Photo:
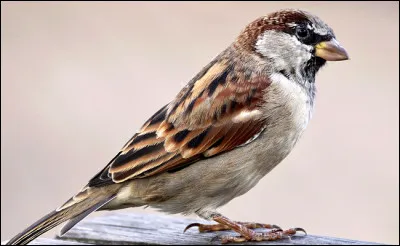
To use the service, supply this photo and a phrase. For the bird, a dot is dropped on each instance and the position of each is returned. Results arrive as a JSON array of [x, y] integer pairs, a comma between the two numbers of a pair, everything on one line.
[[232, 123]]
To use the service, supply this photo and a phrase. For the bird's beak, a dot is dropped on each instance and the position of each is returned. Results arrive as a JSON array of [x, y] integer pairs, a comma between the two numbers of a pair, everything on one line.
[[331, 51]]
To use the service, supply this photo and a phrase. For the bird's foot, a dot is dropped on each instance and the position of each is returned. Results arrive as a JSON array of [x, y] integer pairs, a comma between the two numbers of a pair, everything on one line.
[[222, 227], [245, 230], [272, 235]]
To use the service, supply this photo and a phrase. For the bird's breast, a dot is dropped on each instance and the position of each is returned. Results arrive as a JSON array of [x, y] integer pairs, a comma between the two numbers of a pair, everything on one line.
[[287, 103], [287, 109]]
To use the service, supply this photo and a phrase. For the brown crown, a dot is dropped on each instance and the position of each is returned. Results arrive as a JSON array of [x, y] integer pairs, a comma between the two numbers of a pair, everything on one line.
[[275, 21]]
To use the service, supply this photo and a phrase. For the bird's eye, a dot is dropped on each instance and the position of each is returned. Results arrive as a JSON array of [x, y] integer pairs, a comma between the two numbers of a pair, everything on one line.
[[302, 32]]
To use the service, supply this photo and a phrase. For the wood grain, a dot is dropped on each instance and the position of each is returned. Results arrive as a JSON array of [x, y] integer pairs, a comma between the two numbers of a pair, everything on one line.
[[117, 228]]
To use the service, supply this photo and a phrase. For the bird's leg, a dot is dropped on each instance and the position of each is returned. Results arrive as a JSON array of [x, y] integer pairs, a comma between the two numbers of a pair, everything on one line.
[[243, 228]]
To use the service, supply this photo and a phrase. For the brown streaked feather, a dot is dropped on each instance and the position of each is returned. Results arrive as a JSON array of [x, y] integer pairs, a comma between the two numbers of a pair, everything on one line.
[[174, 142], [137, 156], [214, 134], [139, 169], [205, 119], [143, 140]]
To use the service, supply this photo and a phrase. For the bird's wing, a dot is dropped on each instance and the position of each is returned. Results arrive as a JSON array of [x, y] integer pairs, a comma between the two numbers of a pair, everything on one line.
[[217, 111]]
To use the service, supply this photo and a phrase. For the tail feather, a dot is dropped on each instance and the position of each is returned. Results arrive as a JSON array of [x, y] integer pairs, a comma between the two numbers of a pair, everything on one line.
[[74, 213], [46, 223], [72, 222]]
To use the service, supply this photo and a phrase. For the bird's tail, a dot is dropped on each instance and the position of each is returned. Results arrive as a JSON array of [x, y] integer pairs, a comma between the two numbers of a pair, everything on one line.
[[73, 210]]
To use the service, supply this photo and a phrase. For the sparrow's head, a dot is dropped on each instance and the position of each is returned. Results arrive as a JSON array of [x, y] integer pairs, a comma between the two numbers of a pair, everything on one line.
[[293, 42]]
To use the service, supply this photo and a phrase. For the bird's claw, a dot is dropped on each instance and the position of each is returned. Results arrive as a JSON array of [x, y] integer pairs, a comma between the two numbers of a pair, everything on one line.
[[191, 225]]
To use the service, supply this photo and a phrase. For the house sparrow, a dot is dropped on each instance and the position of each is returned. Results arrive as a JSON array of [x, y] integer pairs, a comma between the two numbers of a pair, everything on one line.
[[227, 128]]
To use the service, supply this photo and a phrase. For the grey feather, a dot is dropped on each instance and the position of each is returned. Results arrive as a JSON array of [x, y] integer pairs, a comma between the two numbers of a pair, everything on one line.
[[72, 222]]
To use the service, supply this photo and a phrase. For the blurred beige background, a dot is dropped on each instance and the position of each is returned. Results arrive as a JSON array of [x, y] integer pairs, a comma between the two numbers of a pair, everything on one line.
[[78, 79]]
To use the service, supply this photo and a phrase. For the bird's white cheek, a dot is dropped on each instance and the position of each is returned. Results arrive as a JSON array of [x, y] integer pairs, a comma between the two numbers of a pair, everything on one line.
[[285, 52]]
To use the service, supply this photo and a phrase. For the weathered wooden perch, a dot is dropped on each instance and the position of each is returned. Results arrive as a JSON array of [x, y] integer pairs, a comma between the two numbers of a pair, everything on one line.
[[130, 228]]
